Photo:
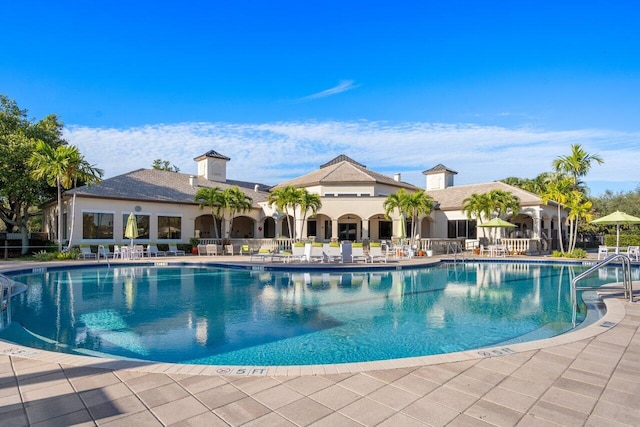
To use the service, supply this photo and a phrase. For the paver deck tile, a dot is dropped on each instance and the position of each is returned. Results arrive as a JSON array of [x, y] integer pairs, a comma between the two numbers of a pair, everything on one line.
[[208, 419], [335, 397], [179, 410], [430, 412], [304, 411], [367, 411], [493, 413], [452, 398], [163, 394], [272, 419], [558, 414], [510, 399], [114, 409], [220, 396], [277, 397], [338, 420], [241, 411], [415, 384]]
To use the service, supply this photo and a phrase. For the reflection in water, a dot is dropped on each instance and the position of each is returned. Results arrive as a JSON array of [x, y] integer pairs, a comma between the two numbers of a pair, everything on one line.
[[217, 316]]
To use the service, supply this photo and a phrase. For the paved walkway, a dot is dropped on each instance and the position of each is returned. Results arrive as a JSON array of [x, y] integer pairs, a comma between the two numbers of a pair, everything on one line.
[[591, 381]]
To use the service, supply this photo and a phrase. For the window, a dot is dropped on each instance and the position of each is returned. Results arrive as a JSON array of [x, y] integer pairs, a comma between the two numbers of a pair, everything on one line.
[[312, 228], [385, 229], [169, 227], [327, 229], [143, 222], [97, 225], [347, 232], [462, 228]]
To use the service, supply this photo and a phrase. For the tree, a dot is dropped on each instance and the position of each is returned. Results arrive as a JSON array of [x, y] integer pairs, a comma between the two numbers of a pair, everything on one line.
[[285, 198], [19, 190], [164, 165], [418, 204], [577, 164], [308, 201], [79, 170], [580, 208], [51, 164], [557, 190], [477, 206], [236, 201], [214, 198]]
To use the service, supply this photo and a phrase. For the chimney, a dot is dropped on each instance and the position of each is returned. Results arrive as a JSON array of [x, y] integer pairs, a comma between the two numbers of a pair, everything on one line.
[[397, 177], [255, 188], [192, 180]]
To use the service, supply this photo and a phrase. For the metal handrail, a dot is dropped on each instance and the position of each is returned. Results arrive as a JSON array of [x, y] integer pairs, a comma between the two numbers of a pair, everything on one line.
[[627, 283], [454, 248], [5, 308], [104, 254]]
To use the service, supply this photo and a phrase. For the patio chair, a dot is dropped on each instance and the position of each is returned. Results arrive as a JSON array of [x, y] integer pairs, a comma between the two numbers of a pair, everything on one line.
[[202, 249], [105, 252], [152, 250], [484, 250], [85, 252], [297, 252], [376, 253], [332, 252], [212, 249], [173, 249], [603, 252], [138, 251], [317, 253], [245, 250], [262, 254], [633, 252], [357, 253]]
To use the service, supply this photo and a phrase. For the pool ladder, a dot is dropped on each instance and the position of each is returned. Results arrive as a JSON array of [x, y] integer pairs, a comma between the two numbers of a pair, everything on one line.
[[626, 286], [6, 285], [103, 251], [456, 248]]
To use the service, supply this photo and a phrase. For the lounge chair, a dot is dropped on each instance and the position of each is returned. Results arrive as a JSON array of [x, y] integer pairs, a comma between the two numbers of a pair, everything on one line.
[[152, 250], [245, 250], [202, 249], [332, 252], [603, 252], [85, 252], [633, 252], [262, 254], [138, 252], [173, 249], [297, 252], [317, 254], [228, 249], [376, 253], [357, 252], [213, 249], [105, 252]]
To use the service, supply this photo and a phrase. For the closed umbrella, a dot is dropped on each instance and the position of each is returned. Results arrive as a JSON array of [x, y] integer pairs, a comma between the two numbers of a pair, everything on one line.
[[617, 218], [131, 231]]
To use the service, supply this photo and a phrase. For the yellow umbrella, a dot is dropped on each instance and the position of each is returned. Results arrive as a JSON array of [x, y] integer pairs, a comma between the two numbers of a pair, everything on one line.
[[131, 231], [617, 218]]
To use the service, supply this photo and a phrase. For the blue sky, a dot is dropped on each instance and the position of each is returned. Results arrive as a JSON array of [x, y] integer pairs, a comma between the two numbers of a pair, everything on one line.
[[490, 89]]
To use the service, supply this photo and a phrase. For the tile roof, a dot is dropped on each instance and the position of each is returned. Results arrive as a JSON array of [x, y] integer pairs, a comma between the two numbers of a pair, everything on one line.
[[344, 172], [212, 153], [438, 168], [163, 186], [452, 198], [342, 158]]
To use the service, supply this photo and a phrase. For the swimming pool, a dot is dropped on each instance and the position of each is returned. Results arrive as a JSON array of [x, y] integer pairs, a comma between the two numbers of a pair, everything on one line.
[[211, 315]]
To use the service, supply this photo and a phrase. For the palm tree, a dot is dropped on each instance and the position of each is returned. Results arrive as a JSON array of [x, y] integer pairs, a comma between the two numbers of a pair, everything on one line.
[[308, 201], [579, 209], [78, 169], [418, 204], [557, 190], [236, 201], [477, 206], [51, 164], [286, 198], [577, 164], [396, 201], [212, 197]]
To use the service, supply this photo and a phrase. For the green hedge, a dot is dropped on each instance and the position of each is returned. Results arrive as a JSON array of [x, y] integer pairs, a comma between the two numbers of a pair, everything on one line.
[[625, 240]]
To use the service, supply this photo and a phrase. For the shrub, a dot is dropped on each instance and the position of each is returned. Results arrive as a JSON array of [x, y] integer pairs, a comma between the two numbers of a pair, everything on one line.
[[578, 253], [556, 254]]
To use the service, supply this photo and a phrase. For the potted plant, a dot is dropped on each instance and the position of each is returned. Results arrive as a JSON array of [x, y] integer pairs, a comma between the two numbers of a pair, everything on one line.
[[194, 245]]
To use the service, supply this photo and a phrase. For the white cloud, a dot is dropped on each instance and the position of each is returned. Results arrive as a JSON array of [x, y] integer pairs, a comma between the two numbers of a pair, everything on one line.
[[274, 152], [343, 86]]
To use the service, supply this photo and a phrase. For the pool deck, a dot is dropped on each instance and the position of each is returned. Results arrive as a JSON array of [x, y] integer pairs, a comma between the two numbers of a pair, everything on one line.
[[587, 377]]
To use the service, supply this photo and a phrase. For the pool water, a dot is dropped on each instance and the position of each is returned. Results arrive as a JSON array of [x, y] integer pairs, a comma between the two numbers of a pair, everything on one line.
[[217, 316]]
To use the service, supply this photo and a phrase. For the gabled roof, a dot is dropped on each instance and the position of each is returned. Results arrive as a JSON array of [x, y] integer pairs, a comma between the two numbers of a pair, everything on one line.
[[213, 154], [452, 198], [163, 186], [344, 172], [342, 158], [438, 169]]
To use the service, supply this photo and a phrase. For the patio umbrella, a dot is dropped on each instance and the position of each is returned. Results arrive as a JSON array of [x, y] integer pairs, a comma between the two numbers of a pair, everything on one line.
[[402, 230], [617, 218], [131, 231], [497, 223]]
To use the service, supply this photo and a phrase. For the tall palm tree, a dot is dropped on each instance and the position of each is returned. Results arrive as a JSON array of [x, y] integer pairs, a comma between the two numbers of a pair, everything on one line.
[[79, 170], [396, 202], [285, 198], [577, 164], [418, 204], [51, 164], [236, 202], [580, 208], [558, 189], [308, 201], [213, 198]]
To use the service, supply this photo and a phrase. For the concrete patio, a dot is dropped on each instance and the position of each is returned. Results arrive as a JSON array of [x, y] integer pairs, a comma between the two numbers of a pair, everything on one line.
[[581, 378]]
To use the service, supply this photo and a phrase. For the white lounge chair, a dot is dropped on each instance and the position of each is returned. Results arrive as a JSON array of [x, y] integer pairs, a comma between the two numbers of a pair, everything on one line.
[[317, 253], [633, 252], [332, 252], [376, 253], [85, 252], [262, 254], [152, 250], [357, 253], [603, 252], [173, 249]]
